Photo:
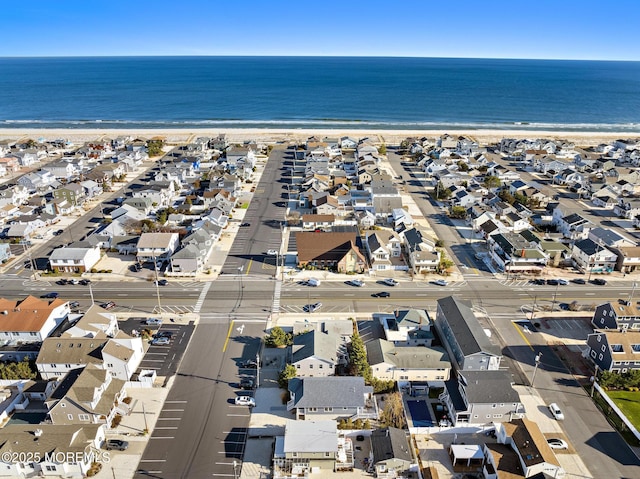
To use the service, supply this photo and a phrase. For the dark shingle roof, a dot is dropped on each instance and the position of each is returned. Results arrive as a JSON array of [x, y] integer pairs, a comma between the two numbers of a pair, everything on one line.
[[390, 443]]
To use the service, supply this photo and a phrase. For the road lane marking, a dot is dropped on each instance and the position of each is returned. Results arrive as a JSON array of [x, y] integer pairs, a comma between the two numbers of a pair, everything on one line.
[[153, 460], [522, 334], [226, 341]]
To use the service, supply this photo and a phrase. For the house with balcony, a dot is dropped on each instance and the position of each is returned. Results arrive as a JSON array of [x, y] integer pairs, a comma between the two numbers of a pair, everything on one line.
[[513, 253], [156, 247], [617, 351], [384, 248], [72, 192], [94, 397], [481, 397], [469, 347], [95, 320], [74, 259], [309, 448], [408, 363], [573, 226], [420, 251], [593, 257], [331, 398]]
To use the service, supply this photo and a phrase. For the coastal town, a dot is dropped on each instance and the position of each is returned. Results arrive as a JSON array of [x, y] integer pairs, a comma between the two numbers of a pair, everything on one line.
[[318, 306]]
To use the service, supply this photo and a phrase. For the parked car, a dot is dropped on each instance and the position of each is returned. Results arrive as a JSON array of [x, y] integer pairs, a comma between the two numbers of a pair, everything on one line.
[[51, 295], [555, 443], [249, 364], [356, 282], [135, 267], [272, 252], [61, 282], [381, 294], [538, 281], [117, 444], [311, 308], [562, 282], [247, 383], [160, 341], [58, 232], [163, 334], [555, 411], [153, 321], [161, 282], [313, 282], [599, 281], [85, 282], [440, 282], [108, 305], [552, 282], [74, 304], [245, 401], [578, 281], [390, 282], [245, 224]]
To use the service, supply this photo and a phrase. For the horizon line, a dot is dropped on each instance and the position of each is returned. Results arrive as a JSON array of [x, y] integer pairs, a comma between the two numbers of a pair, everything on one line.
[[314, 56]]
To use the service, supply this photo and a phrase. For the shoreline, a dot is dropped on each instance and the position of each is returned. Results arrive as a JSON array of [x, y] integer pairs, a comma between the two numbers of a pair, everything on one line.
[[269, 134]]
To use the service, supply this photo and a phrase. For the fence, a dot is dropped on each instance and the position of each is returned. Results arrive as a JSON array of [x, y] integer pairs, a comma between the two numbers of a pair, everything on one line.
[[619, 413]]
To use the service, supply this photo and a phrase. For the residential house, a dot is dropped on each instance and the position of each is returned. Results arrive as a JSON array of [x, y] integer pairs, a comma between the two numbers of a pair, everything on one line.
[[30, 320], [331, 398], [421, 251], [628, 207], [481, 397], [407, 327], [141, 203], [384, 249], [593, 257], [392, 453], [240, 156], [120, 355], [156, 247], [95, 320], [617, 351], [74, 259], [161, 193], [193, 254], [43, 440], [535, 456], [311, 447], [91, 188], [621, 315], [95, 397], [628, 259], [73, 193], [408, 363], [573, 226], [314, 353], [365, 219], [464, 338], [511, 252], [335, 250], [313, 222], [610, 238], [62, 169]]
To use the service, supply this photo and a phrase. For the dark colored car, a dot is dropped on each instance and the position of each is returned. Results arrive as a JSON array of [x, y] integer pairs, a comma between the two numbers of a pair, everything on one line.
[[578, 281], [553, 282], [599, 281], [62, 282], [245, 224], [58, 232], [74, 304], [381, 294], [51, 295], [247, 383], [162, 282], [249, 363], [163, 334], [85, 282], [109, 305]]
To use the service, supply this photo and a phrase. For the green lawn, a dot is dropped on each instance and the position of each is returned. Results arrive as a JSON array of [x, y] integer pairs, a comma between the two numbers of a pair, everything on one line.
[[629, 404]]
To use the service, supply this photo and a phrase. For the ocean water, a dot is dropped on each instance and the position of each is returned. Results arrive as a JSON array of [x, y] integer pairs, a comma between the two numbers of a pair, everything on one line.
[[303, 92]]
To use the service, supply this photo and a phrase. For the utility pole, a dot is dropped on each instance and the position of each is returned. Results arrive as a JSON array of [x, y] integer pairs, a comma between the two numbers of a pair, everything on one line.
[[535, 369], [533, 309], [553, 304], [258, 369], [155, 269]]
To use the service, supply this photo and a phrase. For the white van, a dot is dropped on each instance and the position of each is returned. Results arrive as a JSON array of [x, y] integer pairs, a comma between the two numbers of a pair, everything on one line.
[[313, 282]]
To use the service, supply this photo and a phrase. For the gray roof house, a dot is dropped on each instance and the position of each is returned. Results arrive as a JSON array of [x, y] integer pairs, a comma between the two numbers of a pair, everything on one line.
[[408, 327], [464, 338], [391, 450], [481, 397], [407, 363], [314, 354], [331, 397]]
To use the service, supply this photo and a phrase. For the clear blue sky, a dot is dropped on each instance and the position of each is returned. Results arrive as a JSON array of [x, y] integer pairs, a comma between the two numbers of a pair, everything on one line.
[[555, 29]]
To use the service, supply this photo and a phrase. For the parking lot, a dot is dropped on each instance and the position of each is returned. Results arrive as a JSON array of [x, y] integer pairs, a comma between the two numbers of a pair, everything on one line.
[[566, 328], [163, 359]]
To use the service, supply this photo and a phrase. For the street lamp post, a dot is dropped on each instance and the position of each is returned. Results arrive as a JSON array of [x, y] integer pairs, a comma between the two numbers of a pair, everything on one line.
[[258, 369], [535, 369], [594, 378], [553, 304], [235, 472], [533, 309]]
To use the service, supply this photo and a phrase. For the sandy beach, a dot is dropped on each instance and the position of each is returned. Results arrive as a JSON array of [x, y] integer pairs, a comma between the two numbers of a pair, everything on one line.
[[242, 134]]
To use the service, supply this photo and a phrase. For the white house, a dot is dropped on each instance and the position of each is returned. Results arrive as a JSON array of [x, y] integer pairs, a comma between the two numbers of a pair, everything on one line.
[[74, 260], [30, 320]]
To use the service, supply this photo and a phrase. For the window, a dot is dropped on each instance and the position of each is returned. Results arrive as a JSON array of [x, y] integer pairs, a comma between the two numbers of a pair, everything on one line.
[[70, 417], [496, 416], [67, 365], [327, 454], [310, 366], [635, 348], [50, 468], [600, 356], [593, 354], [83, 417], [320, 366], [328, 409], [617, 348], [63, 404]]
